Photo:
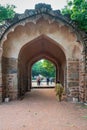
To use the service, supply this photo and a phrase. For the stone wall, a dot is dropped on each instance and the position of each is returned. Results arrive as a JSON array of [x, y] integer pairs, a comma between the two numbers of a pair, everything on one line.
[[86, 69], [86, 87], [0, 76], [82, 76], [9, 77], [82, 80], [73, 77]]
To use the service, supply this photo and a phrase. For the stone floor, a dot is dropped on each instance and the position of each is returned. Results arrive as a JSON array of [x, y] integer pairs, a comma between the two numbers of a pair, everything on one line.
[[40, 110]]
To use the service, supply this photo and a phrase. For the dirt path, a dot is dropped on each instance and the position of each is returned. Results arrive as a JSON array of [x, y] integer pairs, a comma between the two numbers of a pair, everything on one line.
[[40, 110]]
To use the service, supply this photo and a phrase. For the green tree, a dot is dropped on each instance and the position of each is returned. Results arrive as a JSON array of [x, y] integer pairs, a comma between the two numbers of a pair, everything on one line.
[[50, 68], [43, 67], [6, 12], [77, 11], [36, 68]]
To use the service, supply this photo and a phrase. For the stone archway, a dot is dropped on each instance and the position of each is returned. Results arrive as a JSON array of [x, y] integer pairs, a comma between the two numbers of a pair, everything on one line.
[[42, 33], [40, 47]]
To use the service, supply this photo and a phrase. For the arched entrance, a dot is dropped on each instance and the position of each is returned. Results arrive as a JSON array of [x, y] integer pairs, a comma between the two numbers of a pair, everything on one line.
[[37, 34], [43, 74], [40, 47]]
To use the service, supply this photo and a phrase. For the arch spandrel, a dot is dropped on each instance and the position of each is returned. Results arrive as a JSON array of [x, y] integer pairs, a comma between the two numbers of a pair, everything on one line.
[[27, 33]]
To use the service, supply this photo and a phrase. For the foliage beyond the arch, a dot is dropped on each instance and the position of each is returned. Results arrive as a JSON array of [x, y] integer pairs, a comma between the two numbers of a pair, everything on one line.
[[43, 67]]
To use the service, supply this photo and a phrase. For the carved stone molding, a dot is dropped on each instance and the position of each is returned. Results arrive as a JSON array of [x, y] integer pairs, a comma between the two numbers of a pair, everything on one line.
[[41, 10]]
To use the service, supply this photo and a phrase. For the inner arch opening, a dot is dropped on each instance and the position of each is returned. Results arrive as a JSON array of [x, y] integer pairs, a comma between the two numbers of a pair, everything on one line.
[[43, 74], [42, 47]]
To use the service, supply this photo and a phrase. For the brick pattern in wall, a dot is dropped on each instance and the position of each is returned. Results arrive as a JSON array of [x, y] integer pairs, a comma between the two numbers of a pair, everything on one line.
[[9, 74], [86, 70], [82, 76], [83, 80], [9, 65], [73, 77]]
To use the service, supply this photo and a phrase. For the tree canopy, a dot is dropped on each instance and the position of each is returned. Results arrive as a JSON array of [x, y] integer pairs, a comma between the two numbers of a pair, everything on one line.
[[43, 67], [77, 11], [6, 12]]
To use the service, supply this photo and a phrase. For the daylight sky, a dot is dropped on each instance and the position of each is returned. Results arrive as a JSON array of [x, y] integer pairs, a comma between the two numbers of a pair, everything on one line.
[[21, 5]]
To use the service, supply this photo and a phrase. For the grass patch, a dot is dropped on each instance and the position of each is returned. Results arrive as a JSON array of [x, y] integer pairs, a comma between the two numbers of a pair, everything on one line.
[[84, 106], [84, 117]]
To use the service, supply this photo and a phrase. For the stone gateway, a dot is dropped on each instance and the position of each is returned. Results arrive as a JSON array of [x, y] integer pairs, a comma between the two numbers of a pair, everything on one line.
[[36, 34]]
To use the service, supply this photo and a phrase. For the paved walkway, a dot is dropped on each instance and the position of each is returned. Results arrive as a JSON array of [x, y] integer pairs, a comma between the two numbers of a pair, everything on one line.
[[40, 110]]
